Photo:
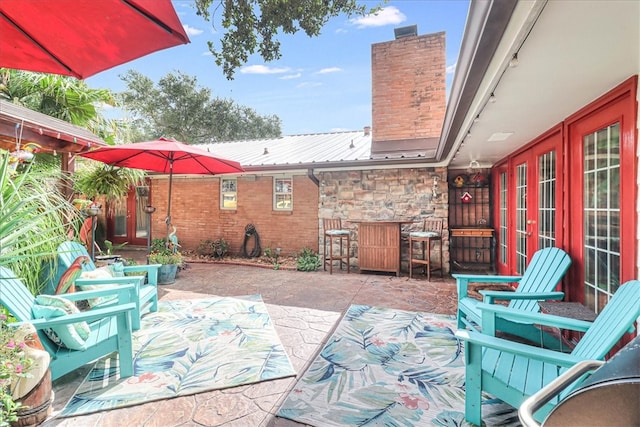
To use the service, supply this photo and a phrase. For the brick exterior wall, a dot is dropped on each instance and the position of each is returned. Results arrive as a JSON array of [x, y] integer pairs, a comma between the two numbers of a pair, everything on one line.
[[385, 194], [408, 87], [196, 213]]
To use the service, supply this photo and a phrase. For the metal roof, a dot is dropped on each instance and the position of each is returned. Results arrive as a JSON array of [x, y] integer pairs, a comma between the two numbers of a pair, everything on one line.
[[335, 149]]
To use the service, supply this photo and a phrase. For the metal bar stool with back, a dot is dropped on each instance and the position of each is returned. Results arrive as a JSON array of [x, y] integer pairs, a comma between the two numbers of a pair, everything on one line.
[[333, 230], [431, 232]]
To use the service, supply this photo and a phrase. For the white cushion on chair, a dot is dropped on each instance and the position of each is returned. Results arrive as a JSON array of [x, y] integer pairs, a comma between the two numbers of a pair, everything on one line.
[[337, 232], [424, 234]]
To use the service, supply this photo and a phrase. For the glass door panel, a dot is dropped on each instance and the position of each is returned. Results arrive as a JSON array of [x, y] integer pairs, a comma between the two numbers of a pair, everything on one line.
[[547, 200], [601, 215], [521, 218]]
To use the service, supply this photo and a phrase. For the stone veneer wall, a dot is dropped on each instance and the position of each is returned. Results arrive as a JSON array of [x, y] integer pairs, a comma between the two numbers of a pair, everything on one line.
[[385, 194]]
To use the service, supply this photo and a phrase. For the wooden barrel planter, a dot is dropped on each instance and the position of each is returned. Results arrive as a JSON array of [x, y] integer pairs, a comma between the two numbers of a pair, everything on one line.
[[38, 404]]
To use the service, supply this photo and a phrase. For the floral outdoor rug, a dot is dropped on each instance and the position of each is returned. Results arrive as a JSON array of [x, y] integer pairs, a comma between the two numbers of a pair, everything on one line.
[[189, 347], [385, 367]]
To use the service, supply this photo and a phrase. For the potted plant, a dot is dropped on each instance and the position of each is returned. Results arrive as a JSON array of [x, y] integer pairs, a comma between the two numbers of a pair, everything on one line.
[[16, 365], [163, 253]]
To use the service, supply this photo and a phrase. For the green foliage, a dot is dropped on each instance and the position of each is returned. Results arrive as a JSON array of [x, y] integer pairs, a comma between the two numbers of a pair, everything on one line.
[[62, 97], [213, 248], [308, 260], [163, 253], [34, 220], [178, 108], [111, 248], [111, 182], [254, 25], [165, 258], [272, 256]]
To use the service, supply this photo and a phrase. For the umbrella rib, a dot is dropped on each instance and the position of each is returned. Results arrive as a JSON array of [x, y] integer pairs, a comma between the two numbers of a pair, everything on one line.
[[155, 20], [37, 43]]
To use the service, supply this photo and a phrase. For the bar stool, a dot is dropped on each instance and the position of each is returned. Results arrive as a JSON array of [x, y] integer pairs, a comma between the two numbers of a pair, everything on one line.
[[333, 230], [432, 232]]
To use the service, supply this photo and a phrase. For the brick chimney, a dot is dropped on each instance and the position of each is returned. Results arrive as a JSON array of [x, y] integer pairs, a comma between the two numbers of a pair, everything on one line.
[[408, 78]]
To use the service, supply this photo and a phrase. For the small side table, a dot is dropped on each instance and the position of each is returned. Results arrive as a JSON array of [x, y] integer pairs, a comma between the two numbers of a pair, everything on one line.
[[572, 310]]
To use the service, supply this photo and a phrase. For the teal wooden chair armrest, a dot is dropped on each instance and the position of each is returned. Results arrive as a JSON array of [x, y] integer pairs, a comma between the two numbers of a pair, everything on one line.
[[134, 280], [489, 297], [491, 313], [125, 293], [463, 280], [142, 293], [516, 348], [84, 316], [483, 278]]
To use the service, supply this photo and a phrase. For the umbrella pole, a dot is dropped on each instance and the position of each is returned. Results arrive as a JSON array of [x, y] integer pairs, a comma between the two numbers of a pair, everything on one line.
[[168, 219]]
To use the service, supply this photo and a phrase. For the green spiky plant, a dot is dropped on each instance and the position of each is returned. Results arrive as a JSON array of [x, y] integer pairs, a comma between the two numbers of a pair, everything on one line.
[[34, 220]]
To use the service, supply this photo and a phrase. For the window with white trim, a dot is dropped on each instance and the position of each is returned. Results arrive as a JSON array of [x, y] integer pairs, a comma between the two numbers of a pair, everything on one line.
[[228, 193], [283, 194]]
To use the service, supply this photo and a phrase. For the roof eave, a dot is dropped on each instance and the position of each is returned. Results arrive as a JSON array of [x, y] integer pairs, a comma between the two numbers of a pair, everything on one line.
[[485, 27]]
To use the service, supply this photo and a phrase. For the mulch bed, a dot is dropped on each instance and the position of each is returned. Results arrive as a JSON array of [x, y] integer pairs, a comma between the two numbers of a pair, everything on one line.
[[284, 263]]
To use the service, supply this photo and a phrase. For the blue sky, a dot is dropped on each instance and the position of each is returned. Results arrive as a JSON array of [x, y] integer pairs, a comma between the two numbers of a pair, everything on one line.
[[321, 84]]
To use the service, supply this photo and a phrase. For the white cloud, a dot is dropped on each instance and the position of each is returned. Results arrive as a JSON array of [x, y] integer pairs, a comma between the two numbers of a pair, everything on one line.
[[191, 31], [308, 84], [451, 69], [263, 69], [386, 16], [291, 76], [329, 70]]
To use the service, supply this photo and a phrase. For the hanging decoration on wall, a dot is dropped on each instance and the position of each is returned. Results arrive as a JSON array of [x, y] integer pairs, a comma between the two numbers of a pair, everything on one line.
[[479, 179], [459, 180], [466, 197]]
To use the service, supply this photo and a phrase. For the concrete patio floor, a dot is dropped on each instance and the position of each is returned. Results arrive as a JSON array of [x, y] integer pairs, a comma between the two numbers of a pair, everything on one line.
[[304, 307]]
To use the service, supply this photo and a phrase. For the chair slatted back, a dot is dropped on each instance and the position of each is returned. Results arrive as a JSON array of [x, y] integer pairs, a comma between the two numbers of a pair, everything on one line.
[[331, 224], [612, 322], [433, 224], [546, 269], [15, 296], [68, 252]]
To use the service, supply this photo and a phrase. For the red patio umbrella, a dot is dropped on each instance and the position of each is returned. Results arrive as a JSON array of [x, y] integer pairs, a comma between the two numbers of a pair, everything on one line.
[[83, 37], [166, 156]]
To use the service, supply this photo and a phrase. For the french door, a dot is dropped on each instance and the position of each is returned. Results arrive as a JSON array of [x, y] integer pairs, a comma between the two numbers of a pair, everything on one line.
[[127, 220], [529, 214], [602, 204]]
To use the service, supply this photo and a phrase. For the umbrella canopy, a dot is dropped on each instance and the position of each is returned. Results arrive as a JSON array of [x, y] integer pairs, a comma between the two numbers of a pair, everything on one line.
[[166, 156], [83, 37]]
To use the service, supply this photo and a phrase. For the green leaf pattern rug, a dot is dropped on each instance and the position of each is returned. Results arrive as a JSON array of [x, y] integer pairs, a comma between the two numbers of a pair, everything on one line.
[[385, 367], [188, 347]]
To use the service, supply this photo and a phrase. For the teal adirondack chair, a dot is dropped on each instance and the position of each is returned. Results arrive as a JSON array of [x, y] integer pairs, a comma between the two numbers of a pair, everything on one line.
[[544, 272], [110, 326], [514, 371], [147, 293]]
